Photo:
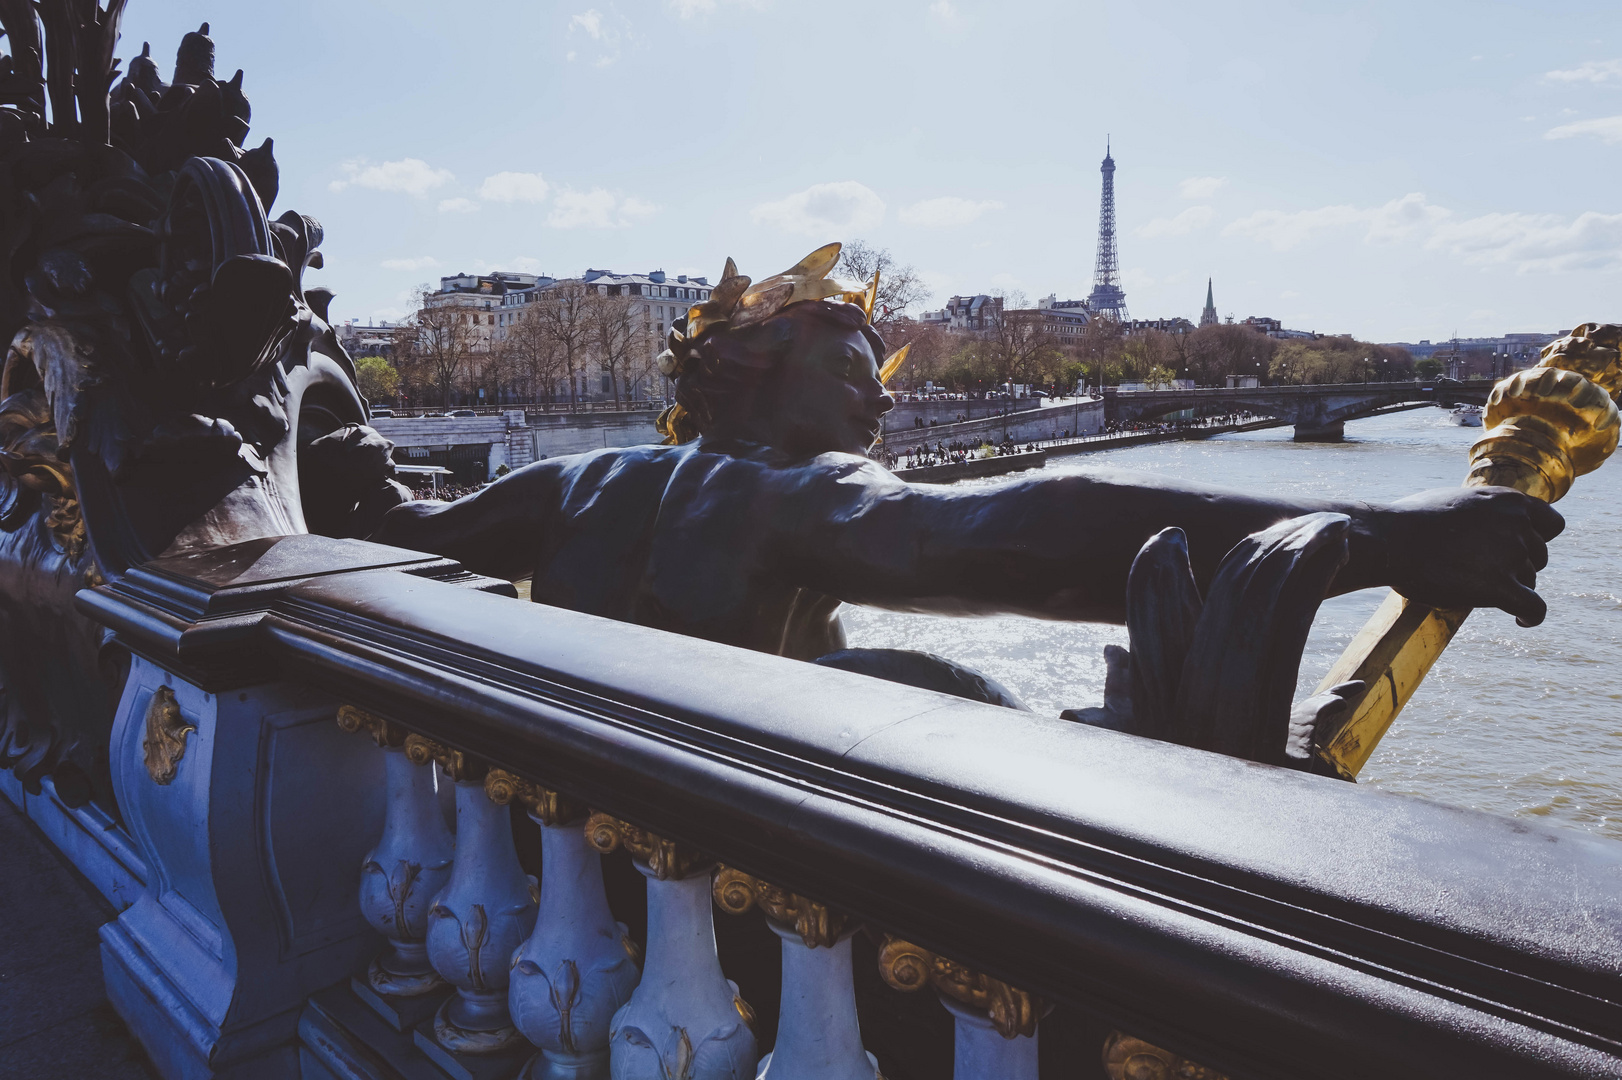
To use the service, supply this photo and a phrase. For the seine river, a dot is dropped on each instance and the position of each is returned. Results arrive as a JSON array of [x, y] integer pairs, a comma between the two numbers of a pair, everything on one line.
[[1510, 720]]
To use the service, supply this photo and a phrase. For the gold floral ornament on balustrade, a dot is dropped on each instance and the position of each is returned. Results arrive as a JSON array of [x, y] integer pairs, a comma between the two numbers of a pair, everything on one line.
[[383, 732], [667, 859], [737, 302], [908, 967], [456, 765], [1129, 1058], [165, 741], [736, 893], [550, 807]]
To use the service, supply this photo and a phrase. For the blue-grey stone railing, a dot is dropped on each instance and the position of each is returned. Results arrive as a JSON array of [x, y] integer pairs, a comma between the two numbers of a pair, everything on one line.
[[1260, 921]]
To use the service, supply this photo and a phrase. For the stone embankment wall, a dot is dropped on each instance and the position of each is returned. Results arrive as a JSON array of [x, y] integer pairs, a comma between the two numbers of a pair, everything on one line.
[[1078, 418], [512, 438]]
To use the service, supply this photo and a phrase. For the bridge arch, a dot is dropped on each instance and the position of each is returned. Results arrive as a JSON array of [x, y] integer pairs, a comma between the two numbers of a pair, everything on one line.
[[1317, 412]]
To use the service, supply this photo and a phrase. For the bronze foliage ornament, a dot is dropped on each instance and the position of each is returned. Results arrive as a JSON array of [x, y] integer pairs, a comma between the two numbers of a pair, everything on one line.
[[736, 893], [908, 967], [165, 741], [550, 807], [1129, 1058], [666, 859]]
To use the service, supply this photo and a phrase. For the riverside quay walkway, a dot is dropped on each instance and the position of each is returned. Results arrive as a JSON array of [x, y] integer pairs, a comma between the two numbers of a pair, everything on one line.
[[1318, 412]]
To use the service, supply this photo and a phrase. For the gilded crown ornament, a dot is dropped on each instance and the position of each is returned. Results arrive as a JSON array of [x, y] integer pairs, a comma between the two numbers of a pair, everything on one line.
[[737, 302]]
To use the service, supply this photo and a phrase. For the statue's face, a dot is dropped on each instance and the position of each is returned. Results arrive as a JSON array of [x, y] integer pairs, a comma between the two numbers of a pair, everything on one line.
[[826, 395]]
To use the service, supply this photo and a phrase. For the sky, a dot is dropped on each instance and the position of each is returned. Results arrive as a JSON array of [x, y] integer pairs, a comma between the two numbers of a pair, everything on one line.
[[1398, 171]]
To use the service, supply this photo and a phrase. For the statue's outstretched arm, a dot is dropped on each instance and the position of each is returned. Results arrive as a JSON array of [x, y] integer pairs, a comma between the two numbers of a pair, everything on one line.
[[497, 531], [1061, 546]]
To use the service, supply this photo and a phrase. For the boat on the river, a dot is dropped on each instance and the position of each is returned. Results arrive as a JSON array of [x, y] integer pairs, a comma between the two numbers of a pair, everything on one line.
[[1467, 416]]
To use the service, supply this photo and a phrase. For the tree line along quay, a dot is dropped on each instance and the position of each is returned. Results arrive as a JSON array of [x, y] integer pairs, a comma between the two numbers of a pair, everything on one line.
[[593, 340]]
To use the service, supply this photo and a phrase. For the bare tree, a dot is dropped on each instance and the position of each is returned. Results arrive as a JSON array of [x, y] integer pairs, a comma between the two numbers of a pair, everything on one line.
[[533, 354], [438, 348], [1018, 346], [899, 286], [621, 342], [564, 313]]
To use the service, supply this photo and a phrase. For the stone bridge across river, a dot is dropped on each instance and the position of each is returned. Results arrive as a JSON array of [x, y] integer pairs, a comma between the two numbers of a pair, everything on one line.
[[1319, 412]]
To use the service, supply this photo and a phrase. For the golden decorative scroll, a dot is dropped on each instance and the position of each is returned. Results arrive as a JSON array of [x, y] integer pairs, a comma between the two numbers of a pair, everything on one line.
[[457, 765], [41, 361], [548, 806], [383, 732], [908, 967], [736, 892], [1546, 426], [165, 741], [1128, 1058], [667, 859]]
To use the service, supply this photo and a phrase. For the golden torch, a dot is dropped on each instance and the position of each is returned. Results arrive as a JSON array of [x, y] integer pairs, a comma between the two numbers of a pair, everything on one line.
[[1546, 426]]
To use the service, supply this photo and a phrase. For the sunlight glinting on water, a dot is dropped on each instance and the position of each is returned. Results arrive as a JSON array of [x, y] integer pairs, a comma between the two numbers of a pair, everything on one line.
[[1514, 721]]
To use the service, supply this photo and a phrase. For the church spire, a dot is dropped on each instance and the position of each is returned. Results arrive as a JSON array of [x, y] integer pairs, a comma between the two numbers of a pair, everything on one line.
[[1208, 317]]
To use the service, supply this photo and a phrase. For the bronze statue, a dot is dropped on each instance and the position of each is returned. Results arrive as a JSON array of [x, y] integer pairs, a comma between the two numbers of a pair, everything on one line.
[[762, 515], [171, 384]]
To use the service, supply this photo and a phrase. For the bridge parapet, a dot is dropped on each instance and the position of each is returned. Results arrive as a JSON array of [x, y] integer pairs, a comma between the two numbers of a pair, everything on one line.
[[1011, 863]]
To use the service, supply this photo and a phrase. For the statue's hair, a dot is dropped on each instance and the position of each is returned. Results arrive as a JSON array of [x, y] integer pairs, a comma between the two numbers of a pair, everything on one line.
[[723, 368]]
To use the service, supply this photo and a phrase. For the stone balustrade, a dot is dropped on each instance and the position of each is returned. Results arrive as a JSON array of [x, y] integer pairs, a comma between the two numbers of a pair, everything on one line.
[[926, 879]]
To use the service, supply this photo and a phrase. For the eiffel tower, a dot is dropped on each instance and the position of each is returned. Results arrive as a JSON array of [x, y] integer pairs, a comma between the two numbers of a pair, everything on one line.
[[1107, 298]]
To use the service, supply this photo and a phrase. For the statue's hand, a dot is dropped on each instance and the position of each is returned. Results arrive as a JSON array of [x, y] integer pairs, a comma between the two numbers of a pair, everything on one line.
[[1472, 547]]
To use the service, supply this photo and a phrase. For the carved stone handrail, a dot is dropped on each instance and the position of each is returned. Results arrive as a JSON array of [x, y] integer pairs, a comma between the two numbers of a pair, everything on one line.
[[1260, 921]]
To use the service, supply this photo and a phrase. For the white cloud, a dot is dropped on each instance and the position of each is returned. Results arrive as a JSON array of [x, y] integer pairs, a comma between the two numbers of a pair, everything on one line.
[[589, 21], [1594, 71], [1535, 242], [420, 262], [458, 205], [632, 206], [413, 176], [688, 9], [824, 210], [605, 36], [524, 264], [1606, 129], [595, 209], [946, 13], [510, 187], [1284, 229], [1005, 283], [1195, 217], [1201, 187], [945, 212], [1529, 243], [1402, 218]]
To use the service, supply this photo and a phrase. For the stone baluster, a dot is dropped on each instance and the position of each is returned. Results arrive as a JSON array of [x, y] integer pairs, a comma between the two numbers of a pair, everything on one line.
[[579, 966], [818, 1036], [995, 1024], [480, 916], [409, 865], [1129, 1058], [685, 1018]]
